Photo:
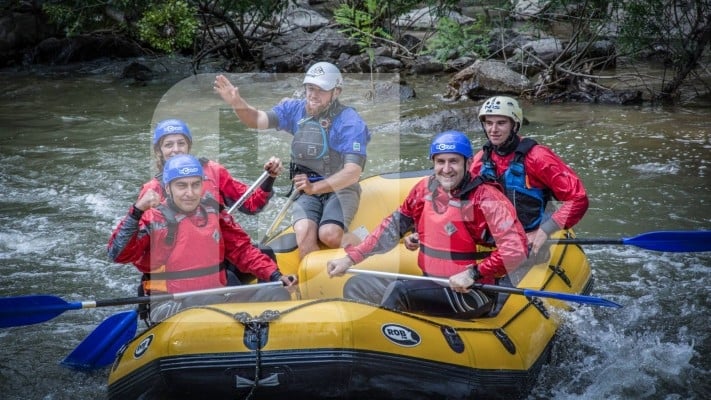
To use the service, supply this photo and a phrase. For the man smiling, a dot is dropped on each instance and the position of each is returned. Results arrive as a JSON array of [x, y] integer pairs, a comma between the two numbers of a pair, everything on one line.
[[531, 174], [451, 214], [179, 243], [328, 154]]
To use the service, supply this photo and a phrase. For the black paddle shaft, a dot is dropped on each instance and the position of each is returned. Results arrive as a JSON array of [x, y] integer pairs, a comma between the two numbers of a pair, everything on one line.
[[587, 241]]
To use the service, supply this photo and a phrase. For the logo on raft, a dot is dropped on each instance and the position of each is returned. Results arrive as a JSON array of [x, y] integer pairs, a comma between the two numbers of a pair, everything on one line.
[[143, 346], [401, 335]]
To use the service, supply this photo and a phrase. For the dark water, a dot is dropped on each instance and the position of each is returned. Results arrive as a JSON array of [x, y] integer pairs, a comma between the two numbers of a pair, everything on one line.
[[76, 148]]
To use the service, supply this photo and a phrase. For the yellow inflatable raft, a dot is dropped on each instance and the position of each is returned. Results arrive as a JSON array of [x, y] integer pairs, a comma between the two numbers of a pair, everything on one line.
[[321, 346]]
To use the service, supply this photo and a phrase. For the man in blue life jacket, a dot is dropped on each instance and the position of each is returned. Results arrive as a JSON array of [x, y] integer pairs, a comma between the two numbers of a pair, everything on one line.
[[531, 174], [328, 154]]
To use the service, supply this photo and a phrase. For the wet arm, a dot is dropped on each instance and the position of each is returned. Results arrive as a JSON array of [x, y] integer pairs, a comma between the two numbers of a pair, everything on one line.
[[347, 176], [387, 235], [249, 115]]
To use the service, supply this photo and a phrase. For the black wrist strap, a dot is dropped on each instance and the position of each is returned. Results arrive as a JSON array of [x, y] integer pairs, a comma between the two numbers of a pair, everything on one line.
[[136, 212], [267, 184], [474, 272], [275, 276]]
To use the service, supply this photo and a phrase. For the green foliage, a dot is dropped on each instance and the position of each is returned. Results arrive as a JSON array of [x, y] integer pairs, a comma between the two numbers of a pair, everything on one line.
[[453, 39], [78, 16], [366, 21], [642, 26], [170, 26], [244, 18], [61, 15], [166, 25], [249, 9], [361, 24]]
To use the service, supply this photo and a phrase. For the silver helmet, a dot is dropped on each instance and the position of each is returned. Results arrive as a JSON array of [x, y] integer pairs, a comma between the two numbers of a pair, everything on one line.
[[324, 75]]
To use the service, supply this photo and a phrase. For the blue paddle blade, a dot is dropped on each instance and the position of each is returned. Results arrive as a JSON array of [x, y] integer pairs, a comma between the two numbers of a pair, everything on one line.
[[99, 349], [673, 241], [32, 309]]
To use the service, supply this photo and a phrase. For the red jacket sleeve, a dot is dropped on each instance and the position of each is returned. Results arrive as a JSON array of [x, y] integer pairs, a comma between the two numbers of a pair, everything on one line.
[[130, 242], [152, 184], [492, 206], [232, 189], [388, 234], [240, 251], [546, 169]]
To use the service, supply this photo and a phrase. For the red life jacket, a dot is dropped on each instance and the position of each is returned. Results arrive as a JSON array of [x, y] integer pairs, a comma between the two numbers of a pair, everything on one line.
[[446, 245], [189, 257]]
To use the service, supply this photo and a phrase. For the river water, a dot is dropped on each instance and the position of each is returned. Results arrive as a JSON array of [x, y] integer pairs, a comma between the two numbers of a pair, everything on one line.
[[75, 148]]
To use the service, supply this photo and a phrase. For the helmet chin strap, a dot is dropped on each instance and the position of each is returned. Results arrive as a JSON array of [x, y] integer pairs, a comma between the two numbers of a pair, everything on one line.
[[509, 145]]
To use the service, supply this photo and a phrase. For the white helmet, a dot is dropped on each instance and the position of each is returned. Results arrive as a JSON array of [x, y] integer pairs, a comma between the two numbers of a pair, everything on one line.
[[324, 75], [502, 106]]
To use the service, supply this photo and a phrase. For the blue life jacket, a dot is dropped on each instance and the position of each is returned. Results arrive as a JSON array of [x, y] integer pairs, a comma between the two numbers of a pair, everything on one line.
[[310, 150], [530, 203]]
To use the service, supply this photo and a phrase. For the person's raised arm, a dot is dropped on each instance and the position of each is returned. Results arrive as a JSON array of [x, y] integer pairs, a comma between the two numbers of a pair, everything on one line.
[[249, 115], [126, 245]]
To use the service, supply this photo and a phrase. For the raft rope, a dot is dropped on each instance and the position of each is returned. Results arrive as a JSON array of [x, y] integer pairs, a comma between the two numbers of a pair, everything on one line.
[[557, 268], [257, 324]]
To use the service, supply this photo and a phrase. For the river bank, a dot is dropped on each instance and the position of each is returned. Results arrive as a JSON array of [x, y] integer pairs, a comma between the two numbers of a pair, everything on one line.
[[520, 53]]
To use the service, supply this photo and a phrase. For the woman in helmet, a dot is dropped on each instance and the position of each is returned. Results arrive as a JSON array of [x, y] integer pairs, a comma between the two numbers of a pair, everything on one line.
[[451, 213], [172, 137], [180, 242], [328, 153], [531, 174]]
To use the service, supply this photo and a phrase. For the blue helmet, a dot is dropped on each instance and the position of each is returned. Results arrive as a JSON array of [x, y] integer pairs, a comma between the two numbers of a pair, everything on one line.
[[171, 127], [181, 166], [451, 142]]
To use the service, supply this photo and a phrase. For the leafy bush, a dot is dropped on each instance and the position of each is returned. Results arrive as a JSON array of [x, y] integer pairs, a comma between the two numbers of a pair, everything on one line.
[[166, 25], [362, 24], [79, 16], [454, 39], [169, 27]]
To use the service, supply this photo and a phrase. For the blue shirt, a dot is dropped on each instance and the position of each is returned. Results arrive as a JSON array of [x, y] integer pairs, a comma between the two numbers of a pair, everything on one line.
[[348, 134]]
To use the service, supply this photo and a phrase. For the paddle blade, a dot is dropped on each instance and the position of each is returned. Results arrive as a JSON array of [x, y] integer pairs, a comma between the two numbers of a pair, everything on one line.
[[33, 309], [672, 241], [577, 298], [99, 349]]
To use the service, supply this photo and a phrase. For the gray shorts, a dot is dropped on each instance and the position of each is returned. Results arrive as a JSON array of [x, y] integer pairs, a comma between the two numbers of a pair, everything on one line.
[[331, 208]]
